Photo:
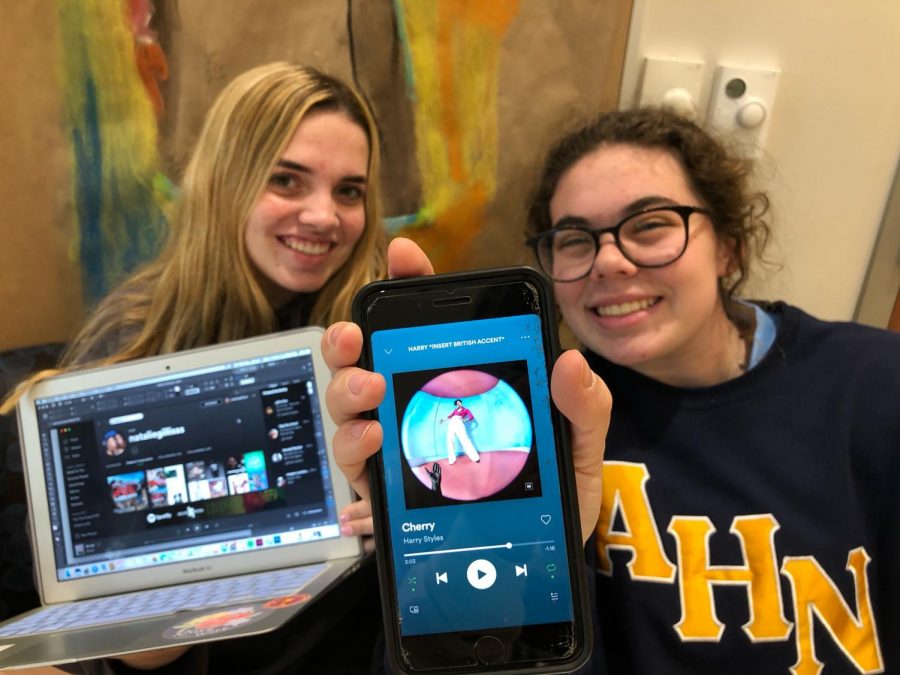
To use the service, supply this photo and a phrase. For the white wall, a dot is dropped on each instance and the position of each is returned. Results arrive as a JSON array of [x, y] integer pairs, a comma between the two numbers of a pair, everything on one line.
[[834, 134]]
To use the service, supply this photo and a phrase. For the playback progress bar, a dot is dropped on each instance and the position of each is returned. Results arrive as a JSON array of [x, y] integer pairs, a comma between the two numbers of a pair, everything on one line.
[[507, 545]]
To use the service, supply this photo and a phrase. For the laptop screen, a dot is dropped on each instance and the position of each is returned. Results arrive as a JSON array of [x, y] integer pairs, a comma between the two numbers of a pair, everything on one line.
[[201, 463]]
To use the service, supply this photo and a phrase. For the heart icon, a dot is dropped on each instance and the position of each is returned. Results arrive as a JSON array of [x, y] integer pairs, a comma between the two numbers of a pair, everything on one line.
[[545, 519]]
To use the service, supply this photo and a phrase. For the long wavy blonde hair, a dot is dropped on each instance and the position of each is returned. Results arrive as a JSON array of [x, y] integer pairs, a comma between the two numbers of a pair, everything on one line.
[[202, 288]]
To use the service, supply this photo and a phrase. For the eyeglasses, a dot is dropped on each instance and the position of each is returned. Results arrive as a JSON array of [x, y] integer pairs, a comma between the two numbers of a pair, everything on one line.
[[651, 238]]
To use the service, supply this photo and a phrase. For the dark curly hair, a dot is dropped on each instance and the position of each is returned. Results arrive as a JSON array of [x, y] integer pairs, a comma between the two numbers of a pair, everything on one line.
[[720, 180]]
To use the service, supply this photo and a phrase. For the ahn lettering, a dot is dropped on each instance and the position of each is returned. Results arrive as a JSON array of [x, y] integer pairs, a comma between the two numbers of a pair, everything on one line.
[[813, 593]]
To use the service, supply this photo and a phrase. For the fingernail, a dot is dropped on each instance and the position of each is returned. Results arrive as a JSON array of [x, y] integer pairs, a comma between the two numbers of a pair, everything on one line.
[[346, 530], [335, 332], [359, 429], [357, 381], [344, 517], [587, 376]]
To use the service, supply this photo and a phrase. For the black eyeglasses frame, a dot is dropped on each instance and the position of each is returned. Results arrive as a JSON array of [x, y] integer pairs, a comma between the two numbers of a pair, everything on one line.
[[596, 232]]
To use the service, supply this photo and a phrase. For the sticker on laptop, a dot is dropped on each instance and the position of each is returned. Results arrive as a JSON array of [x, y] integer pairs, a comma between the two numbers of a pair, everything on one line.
[[216, 622], [287, 601]]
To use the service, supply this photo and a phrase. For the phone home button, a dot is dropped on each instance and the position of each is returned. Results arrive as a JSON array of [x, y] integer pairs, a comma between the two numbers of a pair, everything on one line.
[[489, 650]]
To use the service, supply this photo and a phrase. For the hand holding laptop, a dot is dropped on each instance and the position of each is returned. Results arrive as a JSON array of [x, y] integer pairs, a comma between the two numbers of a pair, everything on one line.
[[356, 519]]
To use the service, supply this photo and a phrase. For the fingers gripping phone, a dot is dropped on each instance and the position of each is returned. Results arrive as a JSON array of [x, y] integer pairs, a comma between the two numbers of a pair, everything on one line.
[[476, 515]]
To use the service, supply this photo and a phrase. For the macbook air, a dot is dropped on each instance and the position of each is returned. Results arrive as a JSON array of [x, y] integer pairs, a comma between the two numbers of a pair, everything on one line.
[[179, 499]]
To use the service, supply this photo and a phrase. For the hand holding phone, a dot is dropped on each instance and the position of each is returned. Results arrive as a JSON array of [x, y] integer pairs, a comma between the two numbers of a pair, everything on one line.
[[580, 396], [474, 497], [578, 393]]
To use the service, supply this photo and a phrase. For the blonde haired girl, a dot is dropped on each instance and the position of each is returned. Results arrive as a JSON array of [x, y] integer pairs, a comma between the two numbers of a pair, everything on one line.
[[277, 226], [204, 288]]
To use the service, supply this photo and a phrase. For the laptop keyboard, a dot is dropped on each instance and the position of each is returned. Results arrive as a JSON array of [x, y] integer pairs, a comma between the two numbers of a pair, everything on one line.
[[162, 601]]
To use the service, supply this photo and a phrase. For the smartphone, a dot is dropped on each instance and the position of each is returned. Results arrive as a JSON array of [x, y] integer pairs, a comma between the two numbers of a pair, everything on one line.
[[476, 515]]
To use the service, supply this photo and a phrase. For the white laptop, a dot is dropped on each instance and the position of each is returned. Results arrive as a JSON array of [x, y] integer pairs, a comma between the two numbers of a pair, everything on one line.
[[179, 499]]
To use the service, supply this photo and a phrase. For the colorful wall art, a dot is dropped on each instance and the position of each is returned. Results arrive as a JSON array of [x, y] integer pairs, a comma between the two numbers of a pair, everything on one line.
[[452, 51], [108, 74]]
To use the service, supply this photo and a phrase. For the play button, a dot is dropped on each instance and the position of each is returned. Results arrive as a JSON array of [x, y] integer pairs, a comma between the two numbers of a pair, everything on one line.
[[481, 574]]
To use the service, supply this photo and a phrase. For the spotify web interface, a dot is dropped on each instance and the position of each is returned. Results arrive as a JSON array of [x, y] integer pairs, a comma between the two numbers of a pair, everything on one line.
[[188, 466]]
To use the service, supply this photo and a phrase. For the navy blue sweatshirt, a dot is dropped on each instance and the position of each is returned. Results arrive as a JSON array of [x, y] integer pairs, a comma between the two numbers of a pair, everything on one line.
[[754, 526]]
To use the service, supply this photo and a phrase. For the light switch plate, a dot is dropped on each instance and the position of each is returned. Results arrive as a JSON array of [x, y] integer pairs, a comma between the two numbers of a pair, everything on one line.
[[740, 106], [672, 83]]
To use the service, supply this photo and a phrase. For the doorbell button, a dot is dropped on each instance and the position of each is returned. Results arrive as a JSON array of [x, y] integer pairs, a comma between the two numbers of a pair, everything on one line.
[[489, 650], [481, 574], [751, 115]]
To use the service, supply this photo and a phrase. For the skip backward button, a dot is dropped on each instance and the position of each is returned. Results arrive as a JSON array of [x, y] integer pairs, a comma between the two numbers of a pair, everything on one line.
[[481, 574]]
